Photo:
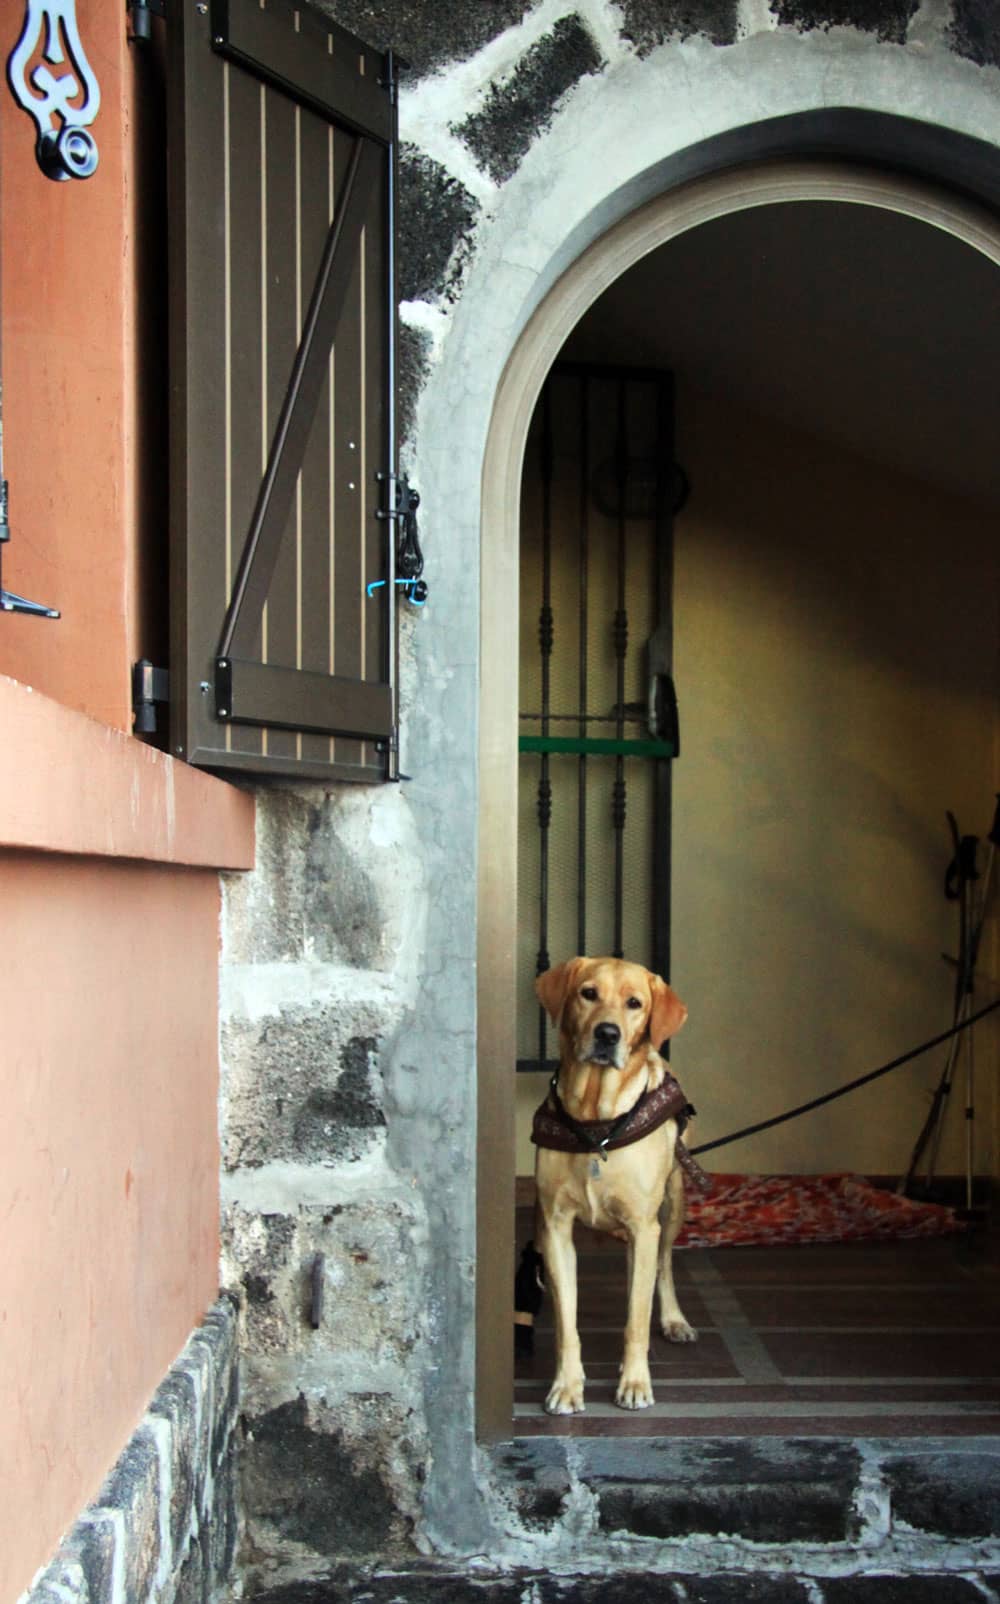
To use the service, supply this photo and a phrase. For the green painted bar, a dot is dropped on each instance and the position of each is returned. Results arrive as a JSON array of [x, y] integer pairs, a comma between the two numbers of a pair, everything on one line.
[[593, 746]]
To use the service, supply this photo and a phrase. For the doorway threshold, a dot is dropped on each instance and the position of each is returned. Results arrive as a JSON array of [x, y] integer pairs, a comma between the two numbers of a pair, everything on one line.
[[839, 1340]]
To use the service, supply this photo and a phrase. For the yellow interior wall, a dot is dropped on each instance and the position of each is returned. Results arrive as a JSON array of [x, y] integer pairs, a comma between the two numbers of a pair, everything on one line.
[[837, 644]]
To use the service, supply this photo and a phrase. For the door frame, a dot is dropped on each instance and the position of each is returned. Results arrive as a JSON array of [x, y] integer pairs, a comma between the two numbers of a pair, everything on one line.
[[656, 223]]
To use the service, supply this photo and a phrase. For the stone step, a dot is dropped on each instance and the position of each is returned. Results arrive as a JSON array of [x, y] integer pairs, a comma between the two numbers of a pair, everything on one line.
[[762, 1490], [430, 1584]]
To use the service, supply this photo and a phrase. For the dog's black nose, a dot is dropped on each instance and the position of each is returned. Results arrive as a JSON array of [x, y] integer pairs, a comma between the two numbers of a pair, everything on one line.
[[606, 1033]]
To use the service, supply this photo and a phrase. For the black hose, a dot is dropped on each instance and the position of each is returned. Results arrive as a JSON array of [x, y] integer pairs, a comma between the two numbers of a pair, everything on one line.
[[841, 1091]]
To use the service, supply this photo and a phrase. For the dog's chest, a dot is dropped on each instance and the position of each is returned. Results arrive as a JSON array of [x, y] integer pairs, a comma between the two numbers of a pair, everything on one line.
[[600, 1205], [604, 1199]]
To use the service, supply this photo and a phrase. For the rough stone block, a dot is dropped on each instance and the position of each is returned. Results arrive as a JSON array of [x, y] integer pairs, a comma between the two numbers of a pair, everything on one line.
[[623, 1587], [94, 1541], [197, 1364], [264, 909], [648, 23], [762, 1514], [517, 111], [887, 19], [304, 1086], [743, 1588], [62, 1582], [909, 1589], [312, 1486], [175, 1401], [371, 1305], [764, 1490], [536, 1478], [440, 214], [319, 892], [426, 36], [975, 31], [133, 1487], [194, 1581], [221, 1534], [955, 1495], [414, 368], [422, 1584]]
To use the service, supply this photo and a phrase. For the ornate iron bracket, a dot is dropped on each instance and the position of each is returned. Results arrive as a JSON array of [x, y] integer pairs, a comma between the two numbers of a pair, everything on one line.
[[62, 105]]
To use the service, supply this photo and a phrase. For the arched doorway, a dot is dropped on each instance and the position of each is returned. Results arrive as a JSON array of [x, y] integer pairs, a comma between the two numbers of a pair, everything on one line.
[[670, 218]]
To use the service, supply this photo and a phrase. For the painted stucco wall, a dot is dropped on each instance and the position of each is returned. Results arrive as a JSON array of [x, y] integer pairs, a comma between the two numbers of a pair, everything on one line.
[[108, 1078], [109, 860], [349, 973], [841, 695], [69, 263]]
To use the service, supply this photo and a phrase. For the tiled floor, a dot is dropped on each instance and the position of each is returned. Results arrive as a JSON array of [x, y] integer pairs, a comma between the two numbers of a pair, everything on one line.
[[851, 1339]]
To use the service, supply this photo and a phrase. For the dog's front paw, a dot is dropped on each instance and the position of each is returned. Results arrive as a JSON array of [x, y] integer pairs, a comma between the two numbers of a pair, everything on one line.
[[635, 1391], [679, 1331], [565, 1397]]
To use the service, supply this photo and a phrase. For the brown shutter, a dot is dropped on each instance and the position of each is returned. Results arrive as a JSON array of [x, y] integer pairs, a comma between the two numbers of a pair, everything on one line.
[[282, 323]]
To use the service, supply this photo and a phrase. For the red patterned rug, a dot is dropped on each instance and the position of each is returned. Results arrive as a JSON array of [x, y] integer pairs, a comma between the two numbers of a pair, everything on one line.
[[762, 1210]]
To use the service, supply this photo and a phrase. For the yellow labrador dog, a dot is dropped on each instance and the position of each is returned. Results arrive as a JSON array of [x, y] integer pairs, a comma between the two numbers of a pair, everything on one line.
[[611, 1083]]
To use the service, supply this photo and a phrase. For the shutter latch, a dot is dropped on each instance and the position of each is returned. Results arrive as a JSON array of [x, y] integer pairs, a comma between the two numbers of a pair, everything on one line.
[[409, 557]]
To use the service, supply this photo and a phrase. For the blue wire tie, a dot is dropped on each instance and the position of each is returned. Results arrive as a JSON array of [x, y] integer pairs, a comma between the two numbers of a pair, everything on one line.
[[376, 584]]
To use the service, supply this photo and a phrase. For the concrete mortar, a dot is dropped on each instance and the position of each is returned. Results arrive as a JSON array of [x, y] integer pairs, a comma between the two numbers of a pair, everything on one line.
[[359, 924]]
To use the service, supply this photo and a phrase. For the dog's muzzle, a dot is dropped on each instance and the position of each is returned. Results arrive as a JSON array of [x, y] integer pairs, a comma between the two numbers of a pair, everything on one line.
[[606, 1047]]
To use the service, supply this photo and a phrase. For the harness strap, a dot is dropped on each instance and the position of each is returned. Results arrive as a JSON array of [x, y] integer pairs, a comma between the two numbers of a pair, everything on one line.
[[554, 1127]]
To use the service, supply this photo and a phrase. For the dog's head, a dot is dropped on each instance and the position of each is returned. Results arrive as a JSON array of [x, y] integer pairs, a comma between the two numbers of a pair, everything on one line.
[[605, 1008]]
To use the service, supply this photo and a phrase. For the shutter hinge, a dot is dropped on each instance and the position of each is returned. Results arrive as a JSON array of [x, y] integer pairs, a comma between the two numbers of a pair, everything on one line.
[[390, 80], [149, 686], [390, 751], [9, 603], [140, 13]]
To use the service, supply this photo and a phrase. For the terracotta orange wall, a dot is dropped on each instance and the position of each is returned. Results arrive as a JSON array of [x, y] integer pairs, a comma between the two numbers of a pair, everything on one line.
[[108, 1186], [67, 282], [109, 850]]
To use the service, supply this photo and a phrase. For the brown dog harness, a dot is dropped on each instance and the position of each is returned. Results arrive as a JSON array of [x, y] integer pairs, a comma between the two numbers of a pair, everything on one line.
[[553, 1127]]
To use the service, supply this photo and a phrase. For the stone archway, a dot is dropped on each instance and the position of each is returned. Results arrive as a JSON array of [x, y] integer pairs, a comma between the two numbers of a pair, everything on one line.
[[658, 221]]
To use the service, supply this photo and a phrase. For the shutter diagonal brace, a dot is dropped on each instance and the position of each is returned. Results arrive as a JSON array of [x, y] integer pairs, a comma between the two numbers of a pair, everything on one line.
[[274, 500]]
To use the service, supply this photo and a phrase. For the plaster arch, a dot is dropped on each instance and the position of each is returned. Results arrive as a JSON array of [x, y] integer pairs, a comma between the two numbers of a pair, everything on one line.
[[534, 342], [628, 148]]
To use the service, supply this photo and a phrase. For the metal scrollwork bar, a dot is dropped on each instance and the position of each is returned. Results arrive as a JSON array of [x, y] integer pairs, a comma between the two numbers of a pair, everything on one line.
[[63, 104], [619, 630], [546, 641], [584, 559]]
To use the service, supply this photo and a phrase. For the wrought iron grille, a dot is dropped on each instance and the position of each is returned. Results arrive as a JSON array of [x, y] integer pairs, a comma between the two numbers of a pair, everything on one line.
[[598, 724]]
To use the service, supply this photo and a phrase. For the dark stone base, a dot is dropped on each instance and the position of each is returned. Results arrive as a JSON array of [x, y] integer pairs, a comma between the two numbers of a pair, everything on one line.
[[426, 1584], [165, 1523]]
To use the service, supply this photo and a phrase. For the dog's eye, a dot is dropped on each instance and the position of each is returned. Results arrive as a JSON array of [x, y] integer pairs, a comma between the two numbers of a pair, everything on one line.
[[589, 992], [633, 1002]]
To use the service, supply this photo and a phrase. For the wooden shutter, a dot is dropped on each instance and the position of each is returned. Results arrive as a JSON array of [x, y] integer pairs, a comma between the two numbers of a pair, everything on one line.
[[282, 331]]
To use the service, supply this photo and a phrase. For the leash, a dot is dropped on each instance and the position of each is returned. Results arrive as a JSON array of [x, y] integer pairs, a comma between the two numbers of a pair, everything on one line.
[[852, 1085]]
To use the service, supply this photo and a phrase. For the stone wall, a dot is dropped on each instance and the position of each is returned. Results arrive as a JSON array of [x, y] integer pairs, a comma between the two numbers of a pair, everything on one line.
[[164, 1527], [349, 956]]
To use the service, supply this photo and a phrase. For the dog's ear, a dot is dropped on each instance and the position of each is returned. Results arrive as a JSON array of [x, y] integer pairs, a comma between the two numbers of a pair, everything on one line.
[[553, 987], [667, 1014]]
